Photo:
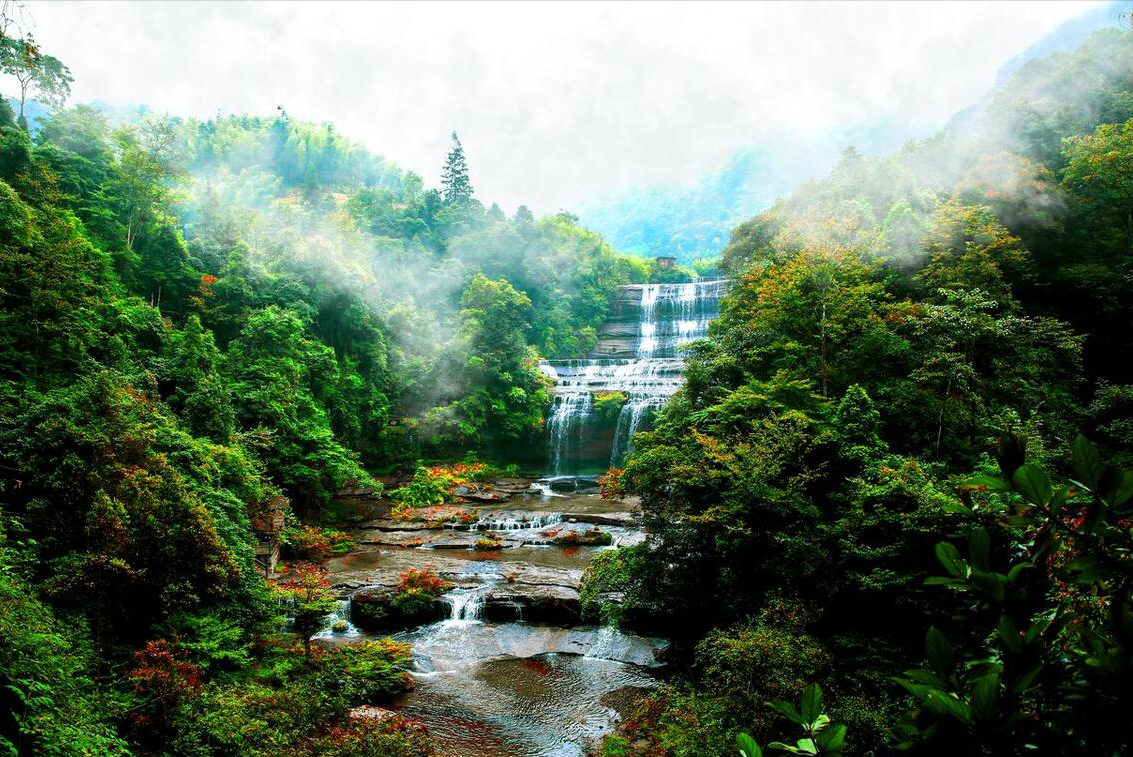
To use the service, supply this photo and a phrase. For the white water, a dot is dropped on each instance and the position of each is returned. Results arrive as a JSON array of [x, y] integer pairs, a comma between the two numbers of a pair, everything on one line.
[[338, 623], [466, 604], [670, 316]]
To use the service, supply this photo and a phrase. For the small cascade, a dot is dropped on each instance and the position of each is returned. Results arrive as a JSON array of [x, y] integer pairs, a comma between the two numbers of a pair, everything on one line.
[[565, 426], [338, 622], [466, 604], [637, 356], [526, 523]]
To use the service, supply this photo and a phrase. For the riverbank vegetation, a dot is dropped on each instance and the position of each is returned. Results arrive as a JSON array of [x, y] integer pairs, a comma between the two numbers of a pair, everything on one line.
[[873, 478]]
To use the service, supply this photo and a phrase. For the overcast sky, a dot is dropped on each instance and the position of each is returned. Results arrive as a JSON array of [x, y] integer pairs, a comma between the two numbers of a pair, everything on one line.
[[554, 102]]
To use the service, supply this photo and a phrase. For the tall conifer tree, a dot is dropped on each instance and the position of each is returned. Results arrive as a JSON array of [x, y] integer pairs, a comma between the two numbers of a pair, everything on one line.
[[454, 178]]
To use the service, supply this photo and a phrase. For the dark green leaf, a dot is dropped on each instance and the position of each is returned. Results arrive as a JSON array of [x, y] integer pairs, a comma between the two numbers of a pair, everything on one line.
[[833, 738], [786, 709], [1087, 463], [1009, 634], [990, 483], [979, 549], [1033, 483], [747, 746], [812, 704], [941, 654], [949, 557], [985, 697]]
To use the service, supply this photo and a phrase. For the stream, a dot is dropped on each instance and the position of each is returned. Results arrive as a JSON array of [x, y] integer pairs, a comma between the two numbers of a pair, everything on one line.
[[489, 681]]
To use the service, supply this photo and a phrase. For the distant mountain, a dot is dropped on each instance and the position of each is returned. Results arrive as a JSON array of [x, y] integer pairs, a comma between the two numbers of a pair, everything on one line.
[[1069, 36], [695, 221]]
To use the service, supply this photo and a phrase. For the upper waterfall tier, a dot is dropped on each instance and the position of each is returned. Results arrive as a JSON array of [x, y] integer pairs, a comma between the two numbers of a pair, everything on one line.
[[653, 320]]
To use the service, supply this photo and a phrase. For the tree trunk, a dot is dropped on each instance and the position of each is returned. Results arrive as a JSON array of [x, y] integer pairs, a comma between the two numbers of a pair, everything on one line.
[[825, 393], [940, 418]]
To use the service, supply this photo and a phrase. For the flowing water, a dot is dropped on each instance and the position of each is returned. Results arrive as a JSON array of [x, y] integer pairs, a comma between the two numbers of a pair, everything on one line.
[[517, 689], [638, 356]]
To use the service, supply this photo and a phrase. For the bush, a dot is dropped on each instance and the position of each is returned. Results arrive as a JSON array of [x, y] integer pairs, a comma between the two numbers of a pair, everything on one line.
[[313, 544], [423, 581], [365, 673], [607, 573], [437, 485], [607, 405]]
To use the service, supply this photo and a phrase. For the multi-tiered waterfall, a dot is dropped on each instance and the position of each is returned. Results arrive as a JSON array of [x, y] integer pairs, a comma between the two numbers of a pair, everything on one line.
[[636, 359]]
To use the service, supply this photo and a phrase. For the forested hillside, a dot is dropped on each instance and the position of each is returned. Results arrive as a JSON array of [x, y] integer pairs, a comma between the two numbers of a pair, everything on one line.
[[880, 441], [694, 221]]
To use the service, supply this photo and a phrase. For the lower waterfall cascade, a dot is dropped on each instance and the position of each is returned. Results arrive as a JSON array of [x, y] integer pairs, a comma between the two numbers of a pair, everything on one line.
[[637, 356]]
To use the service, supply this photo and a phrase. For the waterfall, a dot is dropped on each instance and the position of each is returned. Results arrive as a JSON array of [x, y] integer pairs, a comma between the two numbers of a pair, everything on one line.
[[568, 414], [338, 622], [637, 355], [466, 604], [532, 523]]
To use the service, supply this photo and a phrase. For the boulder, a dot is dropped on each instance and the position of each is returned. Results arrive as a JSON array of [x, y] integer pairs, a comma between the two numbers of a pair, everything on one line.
[[534, 603], [386, 609]]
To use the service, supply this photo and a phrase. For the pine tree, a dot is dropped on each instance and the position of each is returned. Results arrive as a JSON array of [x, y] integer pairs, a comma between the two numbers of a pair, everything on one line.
[[454, 178]]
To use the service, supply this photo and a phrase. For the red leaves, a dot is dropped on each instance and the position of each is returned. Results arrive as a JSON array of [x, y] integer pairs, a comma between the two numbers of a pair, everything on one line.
[[611, 484], [305, 580], [161, 671], [423, 580]]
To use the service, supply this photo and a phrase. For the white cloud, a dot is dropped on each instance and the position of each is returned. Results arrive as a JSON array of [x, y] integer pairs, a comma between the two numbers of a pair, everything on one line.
[[554, 102]]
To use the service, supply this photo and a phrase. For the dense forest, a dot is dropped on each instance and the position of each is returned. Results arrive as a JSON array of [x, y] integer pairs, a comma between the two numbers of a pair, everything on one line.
[[874, 479], [889, 510]]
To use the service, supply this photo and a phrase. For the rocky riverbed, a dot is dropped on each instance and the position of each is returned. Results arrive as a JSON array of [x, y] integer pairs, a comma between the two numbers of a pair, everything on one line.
[[503, 664]]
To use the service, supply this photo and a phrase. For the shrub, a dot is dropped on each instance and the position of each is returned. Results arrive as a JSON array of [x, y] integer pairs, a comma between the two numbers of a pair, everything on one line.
[[611, 485], [594, 537], [437, 485], [607, 573], [365, 673], [374, 737], [423, 581], [607, 405], [313, 544]]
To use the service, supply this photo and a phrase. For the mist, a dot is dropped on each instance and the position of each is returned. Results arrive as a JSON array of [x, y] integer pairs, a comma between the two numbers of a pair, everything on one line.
[[556, 103]]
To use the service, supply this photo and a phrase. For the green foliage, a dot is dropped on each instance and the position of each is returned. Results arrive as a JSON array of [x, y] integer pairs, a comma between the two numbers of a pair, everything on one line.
[[50, 701], [606, 574], [313, 544], [820, 736], [885, 328], [1031, 668], [607, 405], [455, 185], [277, 373]]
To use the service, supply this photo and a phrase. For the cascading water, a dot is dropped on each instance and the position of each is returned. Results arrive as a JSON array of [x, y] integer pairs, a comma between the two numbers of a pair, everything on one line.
[[338, 622], [637, 356]]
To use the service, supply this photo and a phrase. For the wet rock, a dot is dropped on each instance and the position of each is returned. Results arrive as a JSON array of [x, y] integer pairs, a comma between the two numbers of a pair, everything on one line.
[[387, 609], [632, 539], [388, 524], [369, 712], [625, 520], [414, 538], [534, 603], [479, 495], [514, 485]]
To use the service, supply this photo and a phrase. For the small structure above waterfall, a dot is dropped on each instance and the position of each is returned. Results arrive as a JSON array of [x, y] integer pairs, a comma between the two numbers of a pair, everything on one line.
[[600, 402]]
